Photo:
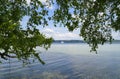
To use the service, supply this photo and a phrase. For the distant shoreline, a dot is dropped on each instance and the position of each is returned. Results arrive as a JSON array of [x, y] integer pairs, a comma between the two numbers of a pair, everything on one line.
[[79, 41]]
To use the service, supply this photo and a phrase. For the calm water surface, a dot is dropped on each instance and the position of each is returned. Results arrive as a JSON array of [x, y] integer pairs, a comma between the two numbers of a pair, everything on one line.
[[68, 61]]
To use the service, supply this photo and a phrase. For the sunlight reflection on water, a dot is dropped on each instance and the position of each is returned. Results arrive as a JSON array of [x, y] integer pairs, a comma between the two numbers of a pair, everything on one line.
[[68, 61]]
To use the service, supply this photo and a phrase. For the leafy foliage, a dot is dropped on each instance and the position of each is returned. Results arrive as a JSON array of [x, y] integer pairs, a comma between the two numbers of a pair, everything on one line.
[[15, 41], [95, 18]]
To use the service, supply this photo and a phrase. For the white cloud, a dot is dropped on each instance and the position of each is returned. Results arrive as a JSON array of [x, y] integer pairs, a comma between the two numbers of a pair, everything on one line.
[[57, 35], [116, 35], [66, 36], [62, 34], [47, 30], [45, 2], [28, 2]]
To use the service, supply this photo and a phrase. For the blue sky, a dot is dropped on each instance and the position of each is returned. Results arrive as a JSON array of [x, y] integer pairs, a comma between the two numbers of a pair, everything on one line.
[[61, 33], [58, 33]]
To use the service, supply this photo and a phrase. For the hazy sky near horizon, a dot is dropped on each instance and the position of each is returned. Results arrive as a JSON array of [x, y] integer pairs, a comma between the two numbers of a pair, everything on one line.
[[61, 33]]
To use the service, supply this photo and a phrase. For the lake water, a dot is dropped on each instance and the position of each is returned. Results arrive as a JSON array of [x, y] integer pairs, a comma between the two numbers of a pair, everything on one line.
[[68, 61]]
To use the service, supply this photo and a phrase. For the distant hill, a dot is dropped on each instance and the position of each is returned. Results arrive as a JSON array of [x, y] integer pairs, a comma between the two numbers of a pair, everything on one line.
[[80, 41], [116, 41], [68, 41]]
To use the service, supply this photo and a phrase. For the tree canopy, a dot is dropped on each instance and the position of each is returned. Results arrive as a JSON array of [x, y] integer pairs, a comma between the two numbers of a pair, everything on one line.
[[95, 18]]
